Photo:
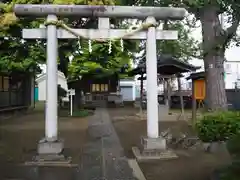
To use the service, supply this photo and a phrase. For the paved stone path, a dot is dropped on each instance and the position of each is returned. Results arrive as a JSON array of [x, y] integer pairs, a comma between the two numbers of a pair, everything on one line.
[[102, 159]]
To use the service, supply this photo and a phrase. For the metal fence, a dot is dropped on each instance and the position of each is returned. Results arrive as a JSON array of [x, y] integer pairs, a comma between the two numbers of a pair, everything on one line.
[[233, 97]]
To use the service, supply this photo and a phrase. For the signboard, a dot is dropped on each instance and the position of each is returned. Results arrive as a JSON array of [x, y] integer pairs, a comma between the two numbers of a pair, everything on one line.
[[71, 92], [199, 89]]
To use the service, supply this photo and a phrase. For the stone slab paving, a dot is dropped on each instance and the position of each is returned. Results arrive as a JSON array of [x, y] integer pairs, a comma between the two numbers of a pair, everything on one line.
[[105, 152]]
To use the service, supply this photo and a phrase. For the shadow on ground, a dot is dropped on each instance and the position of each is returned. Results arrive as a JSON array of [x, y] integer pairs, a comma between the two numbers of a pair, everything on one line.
[[19, 137], [18, 143], [191, 165]]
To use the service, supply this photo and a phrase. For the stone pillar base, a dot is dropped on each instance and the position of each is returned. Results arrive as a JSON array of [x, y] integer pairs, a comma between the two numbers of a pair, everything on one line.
[[153, 149], [50, 153], [50, 147], [153, 144]]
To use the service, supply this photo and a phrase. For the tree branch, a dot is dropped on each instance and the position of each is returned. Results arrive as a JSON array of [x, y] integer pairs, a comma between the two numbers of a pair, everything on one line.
[[231, 31]]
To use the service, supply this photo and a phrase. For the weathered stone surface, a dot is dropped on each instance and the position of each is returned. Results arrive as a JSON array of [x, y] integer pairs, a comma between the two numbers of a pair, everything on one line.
[[46, 147], [103, 157], [99, 131], [154, 143], [153, 155]]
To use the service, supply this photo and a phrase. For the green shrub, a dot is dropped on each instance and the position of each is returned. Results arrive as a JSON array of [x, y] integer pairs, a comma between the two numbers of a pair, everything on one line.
[[218, 126], [81, 113], [230, 173], [233, 146]]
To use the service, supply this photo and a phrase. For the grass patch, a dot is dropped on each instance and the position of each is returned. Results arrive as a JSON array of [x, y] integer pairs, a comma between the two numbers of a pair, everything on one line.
[[82, 113], [229, 173]]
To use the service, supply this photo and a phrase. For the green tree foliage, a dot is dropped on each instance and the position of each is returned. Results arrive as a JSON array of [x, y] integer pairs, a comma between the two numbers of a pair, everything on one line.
[[86, 62], [15, 53], [19, 55], [185, 48]]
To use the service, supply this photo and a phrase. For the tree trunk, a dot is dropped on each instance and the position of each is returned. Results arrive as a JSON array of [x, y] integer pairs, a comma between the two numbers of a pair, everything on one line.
[[180, 94], [169, 92], [213, 60], [165, 91], [77, 100]]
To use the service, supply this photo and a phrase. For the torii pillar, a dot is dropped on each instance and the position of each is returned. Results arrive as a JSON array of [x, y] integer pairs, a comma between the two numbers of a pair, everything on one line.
[[151, 14]]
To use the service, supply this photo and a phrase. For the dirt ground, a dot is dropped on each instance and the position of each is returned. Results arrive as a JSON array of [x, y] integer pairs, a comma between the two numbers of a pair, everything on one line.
[[191, 164], [19, 137]]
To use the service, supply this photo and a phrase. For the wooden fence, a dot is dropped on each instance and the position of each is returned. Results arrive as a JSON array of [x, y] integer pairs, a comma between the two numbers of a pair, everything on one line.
[[15, 90]]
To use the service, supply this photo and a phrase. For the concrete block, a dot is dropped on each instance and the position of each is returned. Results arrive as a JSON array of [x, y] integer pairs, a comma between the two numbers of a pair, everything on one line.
[[54, 147], [149, 144], [163, 111], [153, 155]]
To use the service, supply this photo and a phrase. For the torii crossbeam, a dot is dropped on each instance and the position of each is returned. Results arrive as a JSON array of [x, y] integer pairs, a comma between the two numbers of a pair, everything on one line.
[[52, 34]]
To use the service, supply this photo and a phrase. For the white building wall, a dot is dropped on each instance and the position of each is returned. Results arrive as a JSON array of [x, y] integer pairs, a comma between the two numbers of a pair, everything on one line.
[[131, 93], [63, 83], [232, 73], [42, 91]]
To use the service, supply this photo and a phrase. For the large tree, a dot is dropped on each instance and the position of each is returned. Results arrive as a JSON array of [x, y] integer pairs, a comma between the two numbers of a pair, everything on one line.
[[26, 55], [100, 62], [19, 55], [216, 40]]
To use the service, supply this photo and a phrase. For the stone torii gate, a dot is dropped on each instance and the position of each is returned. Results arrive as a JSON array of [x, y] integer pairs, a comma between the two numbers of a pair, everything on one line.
[[52, 34]]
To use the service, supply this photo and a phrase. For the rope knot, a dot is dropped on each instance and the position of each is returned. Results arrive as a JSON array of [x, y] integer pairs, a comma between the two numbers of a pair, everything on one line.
[[56, 23], [150, 22], [148, 25]]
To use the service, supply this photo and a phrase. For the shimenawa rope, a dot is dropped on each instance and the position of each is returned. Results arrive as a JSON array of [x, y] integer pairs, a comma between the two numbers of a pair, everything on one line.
[[130, 32]]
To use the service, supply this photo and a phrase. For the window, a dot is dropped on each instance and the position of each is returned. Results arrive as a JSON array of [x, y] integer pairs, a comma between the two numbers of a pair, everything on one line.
[[106, 87], [228, 68], [99, 87], [102, 87], [1, 83], [5, 83]]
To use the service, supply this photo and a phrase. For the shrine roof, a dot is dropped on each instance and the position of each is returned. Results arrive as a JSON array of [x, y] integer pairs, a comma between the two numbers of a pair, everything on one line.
[[167, 65], [145, 77], [196, 76]]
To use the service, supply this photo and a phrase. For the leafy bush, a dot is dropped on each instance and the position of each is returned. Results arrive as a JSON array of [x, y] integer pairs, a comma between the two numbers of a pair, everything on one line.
[[218, 126], [82, 113], [230, 173], [233, 146]]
